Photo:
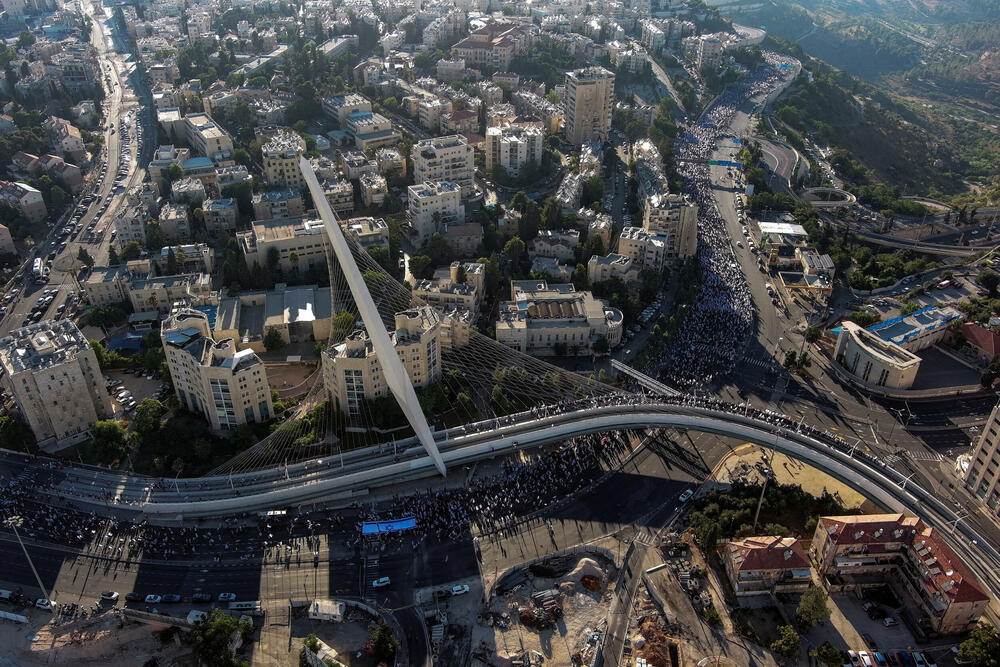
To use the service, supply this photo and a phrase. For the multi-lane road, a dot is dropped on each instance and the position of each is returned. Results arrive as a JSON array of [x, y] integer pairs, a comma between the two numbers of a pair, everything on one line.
[[118, 167]]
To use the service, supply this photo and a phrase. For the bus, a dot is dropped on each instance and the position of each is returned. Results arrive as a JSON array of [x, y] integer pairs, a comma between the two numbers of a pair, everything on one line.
[[38, 269], [248, 607]]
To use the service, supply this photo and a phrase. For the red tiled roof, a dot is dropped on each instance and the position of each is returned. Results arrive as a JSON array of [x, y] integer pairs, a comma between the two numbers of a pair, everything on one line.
[[949, 573], [767, 553], [982, 338]]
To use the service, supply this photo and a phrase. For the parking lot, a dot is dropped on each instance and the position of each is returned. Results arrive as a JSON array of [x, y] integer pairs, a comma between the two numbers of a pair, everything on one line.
[[128, 390]]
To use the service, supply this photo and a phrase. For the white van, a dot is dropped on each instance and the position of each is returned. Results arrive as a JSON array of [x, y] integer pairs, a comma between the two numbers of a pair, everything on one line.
[[247, 606]]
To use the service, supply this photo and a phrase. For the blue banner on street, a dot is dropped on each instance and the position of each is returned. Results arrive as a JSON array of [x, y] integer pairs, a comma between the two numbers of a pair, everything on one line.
[[380, 527]]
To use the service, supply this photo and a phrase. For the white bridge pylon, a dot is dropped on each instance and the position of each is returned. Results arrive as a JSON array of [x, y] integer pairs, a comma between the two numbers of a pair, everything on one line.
[[395, 374]]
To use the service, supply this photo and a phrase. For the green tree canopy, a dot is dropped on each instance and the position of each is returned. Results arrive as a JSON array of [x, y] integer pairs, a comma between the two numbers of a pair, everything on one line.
[[788, 642], [210, 640], [273, 340], [812, 606], [982, 648]]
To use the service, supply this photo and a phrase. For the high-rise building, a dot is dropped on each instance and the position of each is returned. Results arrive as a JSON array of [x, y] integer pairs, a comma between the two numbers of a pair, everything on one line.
[[982, 477], [448, 158], [513, 148], [227, 386], [589, 94], [281, 160], [352, 373], [52, 372], [432, 206]]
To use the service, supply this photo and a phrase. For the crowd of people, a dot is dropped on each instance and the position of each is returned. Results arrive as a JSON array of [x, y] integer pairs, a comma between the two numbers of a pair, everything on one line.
[[720, 322]]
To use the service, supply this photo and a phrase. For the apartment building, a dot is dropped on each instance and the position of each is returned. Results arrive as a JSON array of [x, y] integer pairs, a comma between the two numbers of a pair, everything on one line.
[[589, 94], [371, 130], [981, 474], [24, 199], [429, 112], [339, 194], [647, 249], [856, 552], [220, 215], [446, 291], [546, 320], [300, 243], [513, 148], [52, 373], [390, 161], [766, 565], [190, 257], [206, 137], [106, 285], [280, 156], [448, 158], [160, 293], [299, 314], [339, 107], [612, 266], [352, 373], [373, 189], [188, 191], [281, 203], [432, 206], [555, 243], [494, 45], [367, 232], [163, 158], [228, 386]]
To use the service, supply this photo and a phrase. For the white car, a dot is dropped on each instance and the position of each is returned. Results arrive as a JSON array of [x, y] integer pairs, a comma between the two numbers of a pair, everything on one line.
[[44, 604], [152, 598], [227, 597], [381, 582], [109, 596], [686, 496], [459, 590]]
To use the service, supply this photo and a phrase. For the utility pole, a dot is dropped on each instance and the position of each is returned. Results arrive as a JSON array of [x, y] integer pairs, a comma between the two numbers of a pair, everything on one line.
[[13, 522]]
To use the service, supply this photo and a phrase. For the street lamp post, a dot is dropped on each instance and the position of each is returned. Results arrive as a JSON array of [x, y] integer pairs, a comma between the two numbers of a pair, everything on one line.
[[13, 522]]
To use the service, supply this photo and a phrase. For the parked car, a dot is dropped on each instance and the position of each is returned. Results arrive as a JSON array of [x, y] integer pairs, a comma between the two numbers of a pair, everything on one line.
[[135, 597], [109, 596], [172, 597], [227, 597], [201, 597], [153, 598], [686, 496], [459, 590], [381, 582]]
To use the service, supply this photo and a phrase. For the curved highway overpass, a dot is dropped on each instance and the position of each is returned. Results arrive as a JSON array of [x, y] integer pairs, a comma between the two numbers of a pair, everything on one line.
[[833, 455], [820, 198]]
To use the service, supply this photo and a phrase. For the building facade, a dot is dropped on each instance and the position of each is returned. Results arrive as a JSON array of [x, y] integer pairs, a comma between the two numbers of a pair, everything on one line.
[[352, 373], [546, 320], [513, 148], [589, 94], [432, 206], [57, 385], [448, 158], [875, 361], [227, 386]]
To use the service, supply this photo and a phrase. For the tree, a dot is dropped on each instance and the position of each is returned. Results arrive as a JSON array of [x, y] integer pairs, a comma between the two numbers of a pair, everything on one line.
[[600, 345], [384, 643], [812, 606], [113, 259], [108, 441], [421, 267], [514, 249], [981, 648], [788, 642], [827, 655], [813, 334], [147, 416], [460, 276], [132, 250], [707, 536], [210, 640], [58, 198], [25, 39], [16, 435], [174, 172], [273, 340], [84, 256], [173, 268], [989, 280]]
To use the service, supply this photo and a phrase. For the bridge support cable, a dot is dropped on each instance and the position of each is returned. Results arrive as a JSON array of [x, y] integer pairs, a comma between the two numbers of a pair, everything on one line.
[[392, 368]]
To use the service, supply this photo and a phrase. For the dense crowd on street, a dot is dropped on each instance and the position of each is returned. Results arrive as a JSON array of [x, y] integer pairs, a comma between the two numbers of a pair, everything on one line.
[[721, 319]]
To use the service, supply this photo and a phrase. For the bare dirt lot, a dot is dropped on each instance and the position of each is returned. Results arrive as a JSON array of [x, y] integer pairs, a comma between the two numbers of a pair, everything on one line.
[[551, 612], [743, 463], [99, 641]]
